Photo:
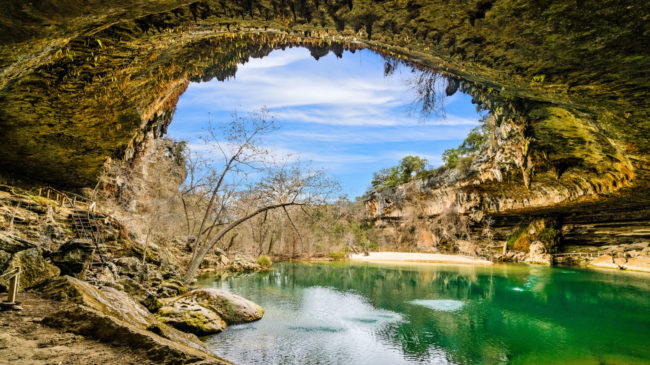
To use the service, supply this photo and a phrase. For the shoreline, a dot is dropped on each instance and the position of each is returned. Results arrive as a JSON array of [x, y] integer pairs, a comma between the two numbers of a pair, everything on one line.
[[418, 257]]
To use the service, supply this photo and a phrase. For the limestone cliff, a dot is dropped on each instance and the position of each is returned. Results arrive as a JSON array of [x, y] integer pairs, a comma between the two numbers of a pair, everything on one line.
[[565, 81]]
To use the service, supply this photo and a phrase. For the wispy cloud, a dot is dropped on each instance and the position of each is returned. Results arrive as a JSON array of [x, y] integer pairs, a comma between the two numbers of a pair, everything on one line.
[[343, 115]]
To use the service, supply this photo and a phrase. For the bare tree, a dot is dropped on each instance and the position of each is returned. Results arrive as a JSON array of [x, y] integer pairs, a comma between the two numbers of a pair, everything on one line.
[[246, 183]]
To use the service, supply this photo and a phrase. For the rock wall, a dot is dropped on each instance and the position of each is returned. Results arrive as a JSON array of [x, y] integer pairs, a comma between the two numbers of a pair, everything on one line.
[[83, 82]]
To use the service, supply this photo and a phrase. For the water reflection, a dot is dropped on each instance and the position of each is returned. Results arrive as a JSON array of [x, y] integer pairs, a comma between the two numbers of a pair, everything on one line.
[[391, 314]]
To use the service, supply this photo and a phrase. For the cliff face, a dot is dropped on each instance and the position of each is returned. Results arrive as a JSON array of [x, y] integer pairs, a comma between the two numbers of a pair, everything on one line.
[[566, 83]]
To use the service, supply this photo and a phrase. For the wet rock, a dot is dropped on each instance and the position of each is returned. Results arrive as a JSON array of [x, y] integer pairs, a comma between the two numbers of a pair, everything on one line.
[[33, 268], [603, 262], [538, 254], [640, 263], [74, 256]]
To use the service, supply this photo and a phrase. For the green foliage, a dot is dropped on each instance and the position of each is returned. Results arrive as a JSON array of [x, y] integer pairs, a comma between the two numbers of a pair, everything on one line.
[[458, 157], [264, 261], [522, 243], [550, 238], [514, 236], [410, 167], [336, 255]]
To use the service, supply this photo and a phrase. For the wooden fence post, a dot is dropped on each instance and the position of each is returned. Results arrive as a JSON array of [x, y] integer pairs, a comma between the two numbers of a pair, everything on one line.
[[13, 287]]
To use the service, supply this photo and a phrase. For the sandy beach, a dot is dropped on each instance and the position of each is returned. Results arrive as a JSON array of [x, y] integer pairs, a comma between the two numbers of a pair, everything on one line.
[[418, 257]]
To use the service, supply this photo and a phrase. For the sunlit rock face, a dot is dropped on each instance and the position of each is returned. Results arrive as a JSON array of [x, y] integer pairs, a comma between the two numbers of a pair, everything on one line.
[[566, 83], [83, 82]]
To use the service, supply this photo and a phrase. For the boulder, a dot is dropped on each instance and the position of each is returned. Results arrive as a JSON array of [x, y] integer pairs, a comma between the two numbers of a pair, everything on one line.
[[639, 263], [231, 307], [537, 254], [603, 262], [33, 268], [73, 257], [187, 315], [205, 311], [114, 303]]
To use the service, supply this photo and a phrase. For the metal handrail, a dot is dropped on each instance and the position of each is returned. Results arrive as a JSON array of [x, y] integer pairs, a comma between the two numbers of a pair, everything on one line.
[[96, 238]]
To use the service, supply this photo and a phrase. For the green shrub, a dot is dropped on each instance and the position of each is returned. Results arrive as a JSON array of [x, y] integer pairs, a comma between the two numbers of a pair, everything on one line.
[[264, 261], [336, 255], [522, 243], [550, 238], [512, 237]]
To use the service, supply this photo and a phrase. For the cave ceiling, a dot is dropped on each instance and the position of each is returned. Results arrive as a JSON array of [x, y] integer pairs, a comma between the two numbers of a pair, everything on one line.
[[82, 82]]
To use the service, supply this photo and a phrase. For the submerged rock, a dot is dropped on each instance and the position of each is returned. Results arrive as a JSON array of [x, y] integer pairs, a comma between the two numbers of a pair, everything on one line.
[[207, 311]]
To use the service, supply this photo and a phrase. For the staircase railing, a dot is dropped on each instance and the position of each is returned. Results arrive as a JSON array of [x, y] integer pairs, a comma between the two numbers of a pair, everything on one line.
[[95, 234]]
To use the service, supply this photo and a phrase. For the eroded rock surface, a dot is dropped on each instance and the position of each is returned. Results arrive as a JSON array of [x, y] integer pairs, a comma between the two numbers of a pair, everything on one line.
[[206, 311], [111, 306]]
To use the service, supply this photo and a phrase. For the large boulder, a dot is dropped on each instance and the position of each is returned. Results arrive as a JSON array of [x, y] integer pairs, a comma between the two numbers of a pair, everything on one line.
[[205, 311], [73, 257], [33, 268], [114, 303], [537, 254], [187, 315]]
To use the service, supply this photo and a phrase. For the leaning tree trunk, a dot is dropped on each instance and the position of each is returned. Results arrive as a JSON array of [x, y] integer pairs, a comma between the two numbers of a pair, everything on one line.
[[201, 251]]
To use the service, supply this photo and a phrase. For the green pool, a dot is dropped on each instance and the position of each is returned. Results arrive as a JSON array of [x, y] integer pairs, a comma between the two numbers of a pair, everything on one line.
[[349, 313]]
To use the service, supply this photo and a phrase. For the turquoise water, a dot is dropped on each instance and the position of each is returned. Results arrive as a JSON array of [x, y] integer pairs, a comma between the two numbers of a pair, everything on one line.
[[360, 313]]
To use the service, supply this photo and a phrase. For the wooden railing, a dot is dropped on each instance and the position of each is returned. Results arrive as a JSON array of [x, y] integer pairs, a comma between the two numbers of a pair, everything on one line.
[[14, 281]]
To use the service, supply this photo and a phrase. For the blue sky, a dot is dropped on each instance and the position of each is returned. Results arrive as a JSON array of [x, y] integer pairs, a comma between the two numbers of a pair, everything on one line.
[[341, 114]]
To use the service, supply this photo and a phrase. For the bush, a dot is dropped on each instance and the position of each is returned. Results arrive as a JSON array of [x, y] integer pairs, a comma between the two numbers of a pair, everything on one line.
[[264, 261], [550, 238], [336, 255], [512, 237], [409, 167], [522, 243]]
